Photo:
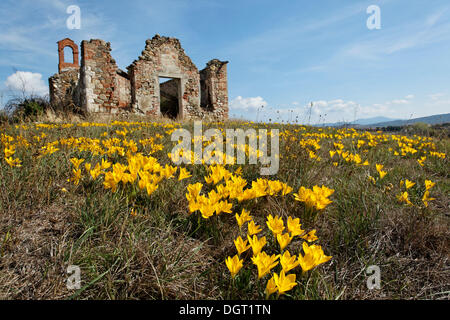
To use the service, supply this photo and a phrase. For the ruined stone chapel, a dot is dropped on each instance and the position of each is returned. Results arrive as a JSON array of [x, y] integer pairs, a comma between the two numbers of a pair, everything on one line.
[[163, 81]]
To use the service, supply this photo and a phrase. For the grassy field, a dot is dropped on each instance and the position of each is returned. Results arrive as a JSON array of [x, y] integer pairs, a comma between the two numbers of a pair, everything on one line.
[[106, 197]]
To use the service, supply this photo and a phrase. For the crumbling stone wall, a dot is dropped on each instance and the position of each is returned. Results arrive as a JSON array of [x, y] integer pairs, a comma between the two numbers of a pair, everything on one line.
[[163, 57], [122, 89], [99, 86], [214, 90], [62, 87]]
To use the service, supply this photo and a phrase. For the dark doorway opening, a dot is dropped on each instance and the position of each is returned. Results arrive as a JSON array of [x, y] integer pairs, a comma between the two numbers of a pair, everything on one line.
[[169, 94], [205, 96]]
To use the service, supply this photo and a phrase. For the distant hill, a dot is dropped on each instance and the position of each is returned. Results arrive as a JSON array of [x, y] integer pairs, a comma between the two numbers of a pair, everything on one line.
[[361, 122], [436, 119], [386, 122]]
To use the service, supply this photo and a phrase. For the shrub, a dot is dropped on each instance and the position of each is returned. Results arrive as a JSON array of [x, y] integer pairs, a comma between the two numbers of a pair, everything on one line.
[[21, 108]]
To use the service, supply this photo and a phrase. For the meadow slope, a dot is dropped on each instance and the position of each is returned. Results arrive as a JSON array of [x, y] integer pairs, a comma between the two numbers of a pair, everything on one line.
[[106, 197]]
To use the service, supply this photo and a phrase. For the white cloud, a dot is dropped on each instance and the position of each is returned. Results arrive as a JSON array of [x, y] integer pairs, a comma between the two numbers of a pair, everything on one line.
[[27, 82], [247, 104]]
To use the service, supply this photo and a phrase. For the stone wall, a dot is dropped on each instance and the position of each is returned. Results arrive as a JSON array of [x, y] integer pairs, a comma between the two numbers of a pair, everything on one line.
[[214, 90], [62, 87], [163, 57], [102, 88], [122, 89]]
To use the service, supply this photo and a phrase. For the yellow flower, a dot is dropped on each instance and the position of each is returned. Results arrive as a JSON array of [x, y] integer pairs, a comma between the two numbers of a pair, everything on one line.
[[76, 176], [284, 240], [379, 167], [422, 160], [105, 164], [310, 236], [223, 206], [253, 228], [429, 184], [184, 174], [96, 171], [380, 170], [294, 226], [276, 225], [13, 162], [409, 184], [426, 198], [315, 198], [76, 162], [193, 191], [403, 197], [286, 189], [265, 263], [284, 283], [241, 245], [313, 257], [288, 262], [150, 187], [234, 265], [10, 151], [243, 218], [257, 244], [207, 209], [271, 287]]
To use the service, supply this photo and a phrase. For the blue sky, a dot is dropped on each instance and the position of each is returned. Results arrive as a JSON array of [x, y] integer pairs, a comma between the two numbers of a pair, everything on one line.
[[282, 55]]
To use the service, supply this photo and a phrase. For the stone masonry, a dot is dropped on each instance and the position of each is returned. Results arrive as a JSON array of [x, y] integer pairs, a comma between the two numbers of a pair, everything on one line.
[[163, 81]]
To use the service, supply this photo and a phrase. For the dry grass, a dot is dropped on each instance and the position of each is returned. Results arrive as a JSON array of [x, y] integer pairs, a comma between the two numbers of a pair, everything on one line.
[[165, 253]]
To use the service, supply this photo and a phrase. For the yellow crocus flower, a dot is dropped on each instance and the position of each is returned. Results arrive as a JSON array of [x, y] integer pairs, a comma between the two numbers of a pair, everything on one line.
[[288, 262], [284, 240], [426, 198], [271, 287], [234, 265], [257, 244], [184, 174], [429, 184], [409, 184], [241, 245], [284, 283], [252, 228], [265, 263], [276, 225], [313, 257], [294, 226], [243, 218]]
